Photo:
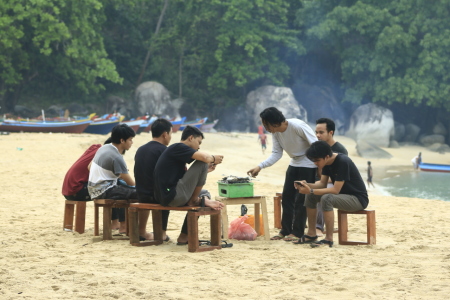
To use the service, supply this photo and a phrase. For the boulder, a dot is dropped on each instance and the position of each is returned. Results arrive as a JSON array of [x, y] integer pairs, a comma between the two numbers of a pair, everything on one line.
[[439, 128], [394, 144], [267, 96], [411, 133], [54, 111], [153, 98], [431, 139], [234, 119], [321, 102], [369, 150], [372, 123], [438, 147], [399, 131]]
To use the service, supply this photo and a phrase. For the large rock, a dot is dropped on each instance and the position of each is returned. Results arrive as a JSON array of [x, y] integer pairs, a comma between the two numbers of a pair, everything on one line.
[[439, 128], [411, 133], [372, 123], [153, 98], [399, 131], [279, 97], [438, 147], [431, 139], [321, 102], [369, 150]]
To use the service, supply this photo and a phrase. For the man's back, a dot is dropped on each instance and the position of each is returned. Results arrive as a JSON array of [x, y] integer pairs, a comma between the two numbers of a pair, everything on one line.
[[144, 167], [339, 148]]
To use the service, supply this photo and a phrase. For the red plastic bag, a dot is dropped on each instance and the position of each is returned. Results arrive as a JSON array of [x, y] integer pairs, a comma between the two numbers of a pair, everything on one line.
[[239, 230]]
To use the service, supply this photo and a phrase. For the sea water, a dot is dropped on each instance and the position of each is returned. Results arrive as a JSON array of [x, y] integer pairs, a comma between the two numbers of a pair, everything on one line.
[[415, 184]]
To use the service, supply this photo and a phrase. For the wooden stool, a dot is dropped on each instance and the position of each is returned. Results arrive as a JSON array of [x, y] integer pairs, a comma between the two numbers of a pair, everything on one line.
[[257, 201], [108, 205], [80, 215], [277, 211], [343, 227], [193, 213]]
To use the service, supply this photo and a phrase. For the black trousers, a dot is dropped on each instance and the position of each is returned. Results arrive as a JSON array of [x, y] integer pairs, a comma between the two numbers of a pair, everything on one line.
[[164, 213], [293, 219], [119, 192]]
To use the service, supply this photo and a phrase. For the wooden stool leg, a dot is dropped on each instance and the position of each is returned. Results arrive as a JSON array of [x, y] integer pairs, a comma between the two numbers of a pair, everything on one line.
[[277, 212], [224, 221], [193, 242], [342, 226], [215, 229], [96, 231], [107, 213], [265, 220], [371, 228], [257, 222], [80, 217], [68, 216], [133, 225], [157, 226]]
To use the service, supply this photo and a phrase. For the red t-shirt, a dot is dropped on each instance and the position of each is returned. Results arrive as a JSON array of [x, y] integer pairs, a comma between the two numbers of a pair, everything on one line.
[[78, 173]]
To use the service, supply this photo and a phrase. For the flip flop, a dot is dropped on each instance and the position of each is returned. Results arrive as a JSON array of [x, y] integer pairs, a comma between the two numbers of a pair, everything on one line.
[[182, 243], [277, 237], [321, 244], [291, 238], [225, 244], [306, 239]]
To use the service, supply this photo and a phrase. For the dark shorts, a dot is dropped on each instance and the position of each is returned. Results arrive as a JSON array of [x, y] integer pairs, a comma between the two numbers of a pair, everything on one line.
[[119, 192], [369, 179], [81, 195]]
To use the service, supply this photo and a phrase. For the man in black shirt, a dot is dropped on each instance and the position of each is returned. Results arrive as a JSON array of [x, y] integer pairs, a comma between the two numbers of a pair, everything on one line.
[[347, 193], [144, 166], [176, 186]]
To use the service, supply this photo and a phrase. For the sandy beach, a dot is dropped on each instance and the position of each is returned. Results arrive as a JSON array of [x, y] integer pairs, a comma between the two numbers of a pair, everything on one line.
[[39, 260]]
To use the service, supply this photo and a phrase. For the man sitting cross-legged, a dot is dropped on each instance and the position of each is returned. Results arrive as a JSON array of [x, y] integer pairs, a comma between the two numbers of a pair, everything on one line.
[[176, 186], [347, 193], [144, 167]]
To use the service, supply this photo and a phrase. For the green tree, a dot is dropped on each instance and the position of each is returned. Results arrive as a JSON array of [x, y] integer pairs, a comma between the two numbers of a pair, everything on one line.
[[52, 48], [389, 51]]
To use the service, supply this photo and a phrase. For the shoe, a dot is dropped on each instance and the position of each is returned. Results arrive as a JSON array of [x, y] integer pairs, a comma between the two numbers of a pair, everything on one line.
[[306, 239], [321, 244]]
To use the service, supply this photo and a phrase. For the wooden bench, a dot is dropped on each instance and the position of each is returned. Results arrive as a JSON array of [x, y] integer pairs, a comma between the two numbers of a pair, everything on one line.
[[108, 205], [343, 227], [80, 215], [277, 210], [193, 213]]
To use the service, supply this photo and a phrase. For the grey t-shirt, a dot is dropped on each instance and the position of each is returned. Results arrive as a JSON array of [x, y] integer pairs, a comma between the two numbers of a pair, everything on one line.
[[106, 168]]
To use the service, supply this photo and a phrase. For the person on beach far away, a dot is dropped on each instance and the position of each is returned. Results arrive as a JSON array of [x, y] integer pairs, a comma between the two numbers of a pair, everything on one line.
[[348, 192], [176, 186], [417, 160], [293, 136], [369, 174]]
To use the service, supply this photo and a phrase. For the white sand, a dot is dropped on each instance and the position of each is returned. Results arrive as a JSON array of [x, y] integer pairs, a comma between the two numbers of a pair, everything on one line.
[[40, 261]]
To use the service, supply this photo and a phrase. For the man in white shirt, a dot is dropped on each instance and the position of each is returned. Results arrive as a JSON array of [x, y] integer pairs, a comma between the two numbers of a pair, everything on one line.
[[293, 136]]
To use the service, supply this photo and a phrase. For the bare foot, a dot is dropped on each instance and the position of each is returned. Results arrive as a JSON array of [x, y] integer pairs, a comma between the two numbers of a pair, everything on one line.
[[319, 232], [123, 227], [182, 239], [148, 236], [216, 205], [115, 224]]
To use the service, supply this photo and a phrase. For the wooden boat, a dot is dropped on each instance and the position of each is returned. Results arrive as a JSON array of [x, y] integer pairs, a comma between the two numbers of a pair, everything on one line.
[[65, 127], [101, 127], [134, 124], [434, 167], [196, 123], [206, 127], [177, 124], [146, 125]]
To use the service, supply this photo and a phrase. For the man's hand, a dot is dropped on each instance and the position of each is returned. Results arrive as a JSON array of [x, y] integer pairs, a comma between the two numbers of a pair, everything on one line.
[[254, 172], [211, 167], [302, 188], [217, 159]]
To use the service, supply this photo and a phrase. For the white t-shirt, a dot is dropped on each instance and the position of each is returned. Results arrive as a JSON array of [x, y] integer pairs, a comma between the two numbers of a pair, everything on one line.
[[295, 140]]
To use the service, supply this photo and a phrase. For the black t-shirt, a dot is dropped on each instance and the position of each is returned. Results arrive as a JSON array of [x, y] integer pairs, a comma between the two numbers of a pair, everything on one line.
[[343, 169], [170, 168], [144, 167], [339, 148]]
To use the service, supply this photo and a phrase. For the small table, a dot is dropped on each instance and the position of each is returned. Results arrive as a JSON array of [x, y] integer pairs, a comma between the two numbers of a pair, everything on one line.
[[257, 201]]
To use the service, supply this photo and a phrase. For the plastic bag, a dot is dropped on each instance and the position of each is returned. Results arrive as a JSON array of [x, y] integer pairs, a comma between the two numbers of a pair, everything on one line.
[[239, 230]]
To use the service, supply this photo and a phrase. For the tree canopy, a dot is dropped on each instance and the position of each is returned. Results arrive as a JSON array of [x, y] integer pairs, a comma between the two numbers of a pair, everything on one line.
[[213, 52]]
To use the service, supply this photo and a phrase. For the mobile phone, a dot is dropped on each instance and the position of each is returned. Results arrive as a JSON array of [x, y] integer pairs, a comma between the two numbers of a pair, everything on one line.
[[299, 183]]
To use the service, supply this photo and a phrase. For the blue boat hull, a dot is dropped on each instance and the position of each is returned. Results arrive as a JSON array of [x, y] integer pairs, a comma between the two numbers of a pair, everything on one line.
[[101, 127], [434, 168]]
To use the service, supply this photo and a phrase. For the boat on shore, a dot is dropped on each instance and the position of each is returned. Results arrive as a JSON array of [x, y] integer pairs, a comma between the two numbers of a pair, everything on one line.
[[196, 123], [134, 124], [101, 127], [54, 127], [207, 127], [434, 167], [177, 124]]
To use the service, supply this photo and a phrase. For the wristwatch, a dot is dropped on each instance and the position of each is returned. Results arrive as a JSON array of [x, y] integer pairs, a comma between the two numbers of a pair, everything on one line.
[[311, 191]]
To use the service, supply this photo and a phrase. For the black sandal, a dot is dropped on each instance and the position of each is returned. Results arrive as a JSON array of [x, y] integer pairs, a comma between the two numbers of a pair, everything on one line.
[[322, 243], [306, 239]]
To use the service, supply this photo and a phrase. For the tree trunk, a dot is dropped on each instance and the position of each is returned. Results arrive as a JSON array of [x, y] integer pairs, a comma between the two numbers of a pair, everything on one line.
[[147, 57]]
